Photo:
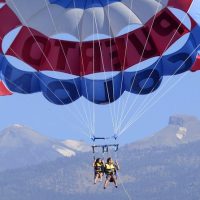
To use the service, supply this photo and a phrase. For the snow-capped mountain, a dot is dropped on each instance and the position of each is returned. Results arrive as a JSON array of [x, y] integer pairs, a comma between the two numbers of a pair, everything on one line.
[[162, 167], [20, 147]]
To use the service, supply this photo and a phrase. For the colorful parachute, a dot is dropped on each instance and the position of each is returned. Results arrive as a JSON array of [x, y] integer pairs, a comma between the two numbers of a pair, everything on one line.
[[128, 44]]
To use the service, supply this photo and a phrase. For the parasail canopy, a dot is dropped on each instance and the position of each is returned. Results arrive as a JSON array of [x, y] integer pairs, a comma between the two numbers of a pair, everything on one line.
[[102, 48]]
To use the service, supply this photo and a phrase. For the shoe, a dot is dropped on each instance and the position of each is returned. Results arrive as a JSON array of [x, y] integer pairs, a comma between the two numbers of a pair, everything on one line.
[[104, 188], [116, 186]]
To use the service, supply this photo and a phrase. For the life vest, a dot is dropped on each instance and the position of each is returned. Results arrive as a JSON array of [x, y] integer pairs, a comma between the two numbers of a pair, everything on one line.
[[110, 169], [98, 167]]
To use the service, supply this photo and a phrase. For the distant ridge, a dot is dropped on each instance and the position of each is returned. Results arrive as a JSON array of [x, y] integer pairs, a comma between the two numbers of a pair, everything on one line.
[[20, 146], [161, 167], [181, 129]]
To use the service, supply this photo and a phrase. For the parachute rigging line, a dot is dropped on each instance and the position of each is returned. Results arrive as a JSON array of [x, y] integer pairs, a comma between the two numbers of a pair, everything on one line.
[[166, 91], [132, 104], [77, 110], [139, 64]]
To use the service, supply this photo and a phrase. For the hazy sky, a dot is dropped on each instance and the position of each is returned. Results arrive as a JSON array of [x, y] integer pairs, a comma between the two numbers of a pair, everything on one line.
[[59, 122]]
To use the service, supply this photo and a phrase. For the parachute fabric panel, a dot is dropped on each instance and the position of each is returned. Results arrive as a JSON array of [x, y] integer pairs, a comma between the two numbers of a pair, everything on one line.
[[3, 90], [196, 65], [7, 25]]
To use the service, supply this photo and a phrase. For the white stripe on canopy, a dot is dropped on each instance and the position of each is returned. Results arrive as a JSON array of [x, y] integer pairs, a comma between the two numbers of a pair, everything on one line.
[[110, 20]]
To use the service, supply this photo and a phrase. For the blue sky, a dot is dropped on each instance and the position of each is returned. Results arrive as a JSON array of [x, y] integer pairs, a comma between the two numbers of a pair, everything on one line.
[[59, 122]]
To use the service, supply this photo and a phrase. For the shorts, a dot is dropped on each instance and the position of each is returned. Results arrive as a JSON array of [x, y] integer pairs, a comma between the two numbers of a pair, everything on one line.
[[110, 177], [98, 173]]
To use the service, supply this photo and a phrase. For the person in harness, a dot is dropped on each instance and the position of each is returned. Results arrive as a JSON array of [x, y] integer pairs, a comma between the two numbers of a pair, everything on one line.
[[110, 170], [98, 170]]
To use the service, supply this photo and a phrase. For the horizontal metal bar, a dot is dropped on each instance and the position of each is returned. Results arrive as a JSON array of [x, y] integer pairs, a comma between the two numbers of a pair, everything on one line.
[[93, 138]]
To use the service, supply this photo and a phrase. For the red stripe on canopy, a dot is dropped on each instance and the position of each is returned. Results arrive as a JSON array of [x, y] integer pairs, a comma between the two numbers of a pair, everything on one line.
[[8, 21], [182, 4], [43, 53], [4, 90], [196, 66]]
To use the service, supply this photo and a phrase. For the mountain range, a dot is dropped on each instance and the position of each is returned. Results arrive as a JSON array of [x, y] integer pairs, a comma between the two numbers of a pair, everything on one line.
[[21, 147], [164, 166]]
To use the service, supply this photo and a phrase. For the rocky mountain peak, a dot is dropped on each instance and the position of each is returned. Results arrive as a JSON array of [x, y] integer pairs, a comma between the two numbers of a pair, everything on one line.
[[181, 120], [181, 129]]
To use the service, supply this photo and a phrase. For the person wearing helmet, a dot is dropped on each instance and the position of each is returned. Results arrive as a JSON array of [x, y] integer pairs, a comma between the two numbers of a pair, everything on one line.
[[110, 170], [98, 170]]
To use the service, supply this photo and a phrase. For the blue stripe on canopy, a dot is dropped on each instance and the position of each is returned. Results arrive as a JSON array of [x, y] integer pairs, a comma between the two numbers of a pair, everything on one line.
[[84, 4], [103, 91]]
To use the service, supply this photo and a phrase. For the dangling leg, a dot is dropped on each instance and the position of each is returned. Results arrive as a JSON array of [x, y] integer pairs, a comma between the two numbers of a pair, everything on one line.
[[100, 177], [114, 180], [106, 181], [96, 178]]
